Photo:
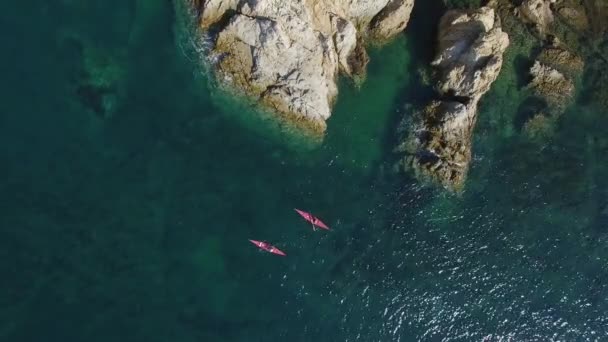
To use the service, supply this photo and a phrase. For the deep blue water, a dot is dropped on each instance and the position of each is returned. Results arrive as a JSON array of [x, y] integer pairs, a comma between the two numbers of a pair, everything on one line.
[[130, 185]]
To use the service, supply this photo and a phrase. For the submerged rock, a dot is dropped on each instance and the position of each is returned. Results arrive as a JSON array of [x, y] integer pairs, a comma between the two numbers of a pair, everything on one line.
[[561, 59], [287, 54], [551, 57], [569, 20], [438, 145], [101, 82], [391, 20], [538, 12], [539, 127], [572, 21], [553, 75], [575, 17], [551, 85]]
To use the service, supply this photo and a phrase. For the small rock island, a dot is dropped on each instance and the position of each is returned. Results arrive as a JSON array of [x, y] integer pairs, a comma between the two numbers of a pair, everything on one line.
[[286, 55]]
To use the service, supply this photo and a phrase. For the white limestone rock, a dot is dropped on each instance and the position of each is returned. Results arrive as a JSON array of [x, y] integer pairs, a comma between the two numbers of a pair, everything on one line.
[[471, 47], [288, 53]]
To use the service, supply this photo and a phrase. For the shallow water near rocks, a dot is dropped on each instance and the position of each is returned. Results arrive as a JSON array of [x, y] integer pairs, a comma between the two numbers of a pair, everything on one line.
[[129, 191]]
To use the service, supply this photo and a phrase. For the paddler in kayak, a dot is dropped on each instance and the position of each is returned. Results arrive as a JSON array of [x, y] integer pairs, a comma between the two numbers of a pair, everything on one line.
[[314, 221], [265, 246], [314, 229]]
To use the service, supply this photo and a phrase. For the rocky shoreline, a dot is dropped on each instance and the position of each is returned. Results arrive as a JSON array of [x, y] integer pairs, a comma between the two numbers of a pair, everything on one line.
[[556, 58], [563, 36], [287, 55], [437, 145]]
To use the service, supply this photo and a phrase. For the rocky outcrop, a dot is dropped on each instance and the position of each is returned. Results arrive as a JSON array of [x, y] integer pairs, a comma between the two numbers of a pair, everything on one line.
[[561, 59], [555, 66], [537, 12], [552, 17], [438, 143], [575, 17], [552, 80], [553, 76], [391, 20], [551, 85], [287, 53], [566, 42], [588, 16], [556, 89]]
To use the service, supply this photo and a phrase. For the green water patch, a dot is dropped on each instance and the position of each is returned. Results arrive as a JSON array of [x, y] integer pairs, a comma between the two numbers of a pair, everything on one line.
[[357, 128]]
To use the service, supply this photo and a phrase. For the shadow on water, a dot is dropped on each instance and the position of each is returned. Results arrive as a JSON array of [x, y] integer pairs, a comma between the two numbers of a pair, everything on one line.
[[528, 109], [422, 30], [522, 66], [421, 37]]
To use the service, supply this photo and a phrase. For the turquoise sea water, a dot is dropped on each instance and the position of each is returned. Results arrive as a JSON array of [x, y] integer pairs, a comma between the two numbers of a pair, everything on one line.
[[129, 188]]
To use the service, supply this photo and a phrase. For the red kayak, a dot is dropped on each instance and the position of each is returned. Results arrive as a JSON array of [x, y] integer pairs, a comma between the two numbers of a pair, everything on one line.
[[268, 247], [310, 218]]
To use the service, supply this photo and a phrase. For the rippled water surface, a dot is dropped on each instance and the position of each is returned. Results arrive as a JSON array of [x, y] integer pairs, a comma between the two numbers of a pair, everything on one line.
[[130, 185]]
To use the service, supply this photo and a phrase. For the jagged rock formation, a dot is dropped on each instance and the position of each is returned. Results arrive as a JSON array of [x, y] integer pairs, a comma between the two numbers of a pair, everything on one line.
[[551, 85], [586, 17], [562, 42], [555, 67], [574, 16], [561, 59], [552, 76], [288, 53], [537, 12], [438, 143]]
